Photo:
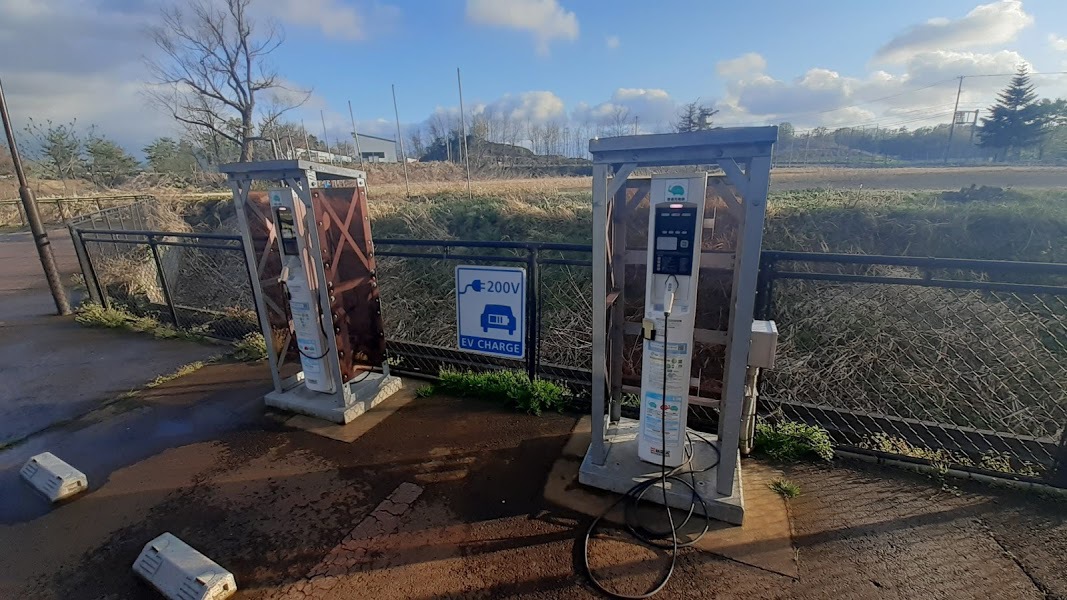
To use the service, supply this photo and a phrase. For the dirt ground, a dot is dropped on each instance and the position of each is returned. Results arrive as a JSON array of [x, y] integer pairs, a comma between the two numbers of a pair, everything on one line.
[[444, 498]]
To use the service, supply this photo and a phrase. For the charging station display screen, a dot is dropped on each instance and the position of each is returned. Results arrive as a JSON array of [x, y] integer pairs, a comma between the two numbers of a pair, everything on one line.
[[675, 230], [286, 231]]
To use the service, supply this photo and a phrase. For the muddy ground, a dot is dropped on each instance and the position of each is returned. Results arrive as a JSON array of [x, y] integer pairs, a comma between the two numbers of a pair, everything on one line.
[[281, 507]]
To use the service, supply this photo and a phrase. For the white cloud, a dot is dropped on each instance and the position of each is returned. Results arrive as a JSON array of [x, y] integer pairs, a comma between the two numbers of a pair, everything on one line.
[[538, 107], [1059, 44], [653, 108], [545, 19], [612, 42], [921, 95], [336, 19], [89, 69], [743, 67], [986, 25]]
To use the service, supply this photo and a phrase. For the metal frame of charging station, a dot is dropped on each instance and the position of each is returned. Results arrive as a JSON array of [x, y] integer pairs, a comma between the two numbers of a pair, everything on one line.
[[351, 398], [744, 155]]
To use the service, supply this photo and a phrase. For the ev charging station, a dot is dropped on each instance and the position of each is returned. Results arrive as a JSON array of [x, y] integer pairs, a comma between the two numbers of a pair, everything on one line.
[[308, 246], [623, 452]]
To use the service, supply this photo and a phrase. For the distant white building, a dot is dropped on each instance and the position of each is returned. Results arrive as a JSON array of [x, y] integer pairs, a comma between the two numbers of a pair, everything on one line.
[[373, 149]]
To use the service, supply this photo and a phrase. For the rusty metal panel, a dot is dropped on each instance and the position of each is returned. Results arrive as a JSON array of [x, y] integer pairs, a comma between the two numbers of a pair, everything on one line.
[[348, 258], [268, 269]]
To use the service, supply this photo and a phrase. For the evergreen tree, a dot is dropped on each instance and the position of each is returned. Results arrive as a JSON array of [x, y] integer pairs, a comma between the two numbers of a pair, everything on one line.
[[694, 117], [1015, 121], [109, 164]]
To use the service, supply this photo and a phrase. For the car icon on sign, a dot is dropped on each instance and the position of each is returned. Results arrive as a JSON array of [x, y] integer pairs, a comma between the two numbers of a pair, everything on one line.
[[498, 316]]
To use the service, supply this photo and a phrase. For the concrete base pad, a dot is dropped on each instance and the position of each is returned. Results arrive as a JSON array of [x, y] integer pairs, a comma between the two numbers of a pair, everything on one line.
[[358, 398], [351, 432], [623, 469], [764, 541]]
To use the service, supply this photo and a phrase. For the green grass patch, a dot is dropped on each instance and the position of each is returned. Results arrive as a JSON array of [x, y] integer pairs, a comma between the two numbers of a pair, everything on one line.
[[250, 348], [91, 314], [792, 441], [785, 488], [514, 389], [942, 459], [425, 391]]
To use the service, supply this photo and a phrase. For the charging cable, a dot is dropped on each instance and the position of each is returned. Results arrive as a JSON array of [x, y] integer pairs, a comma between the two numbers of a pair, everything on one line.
[[634, 495]]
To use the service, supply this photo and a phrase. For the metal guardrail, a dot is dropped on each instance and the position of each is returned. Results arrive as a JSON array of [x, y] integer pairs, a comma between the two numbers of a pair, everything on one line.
[[62, 206]]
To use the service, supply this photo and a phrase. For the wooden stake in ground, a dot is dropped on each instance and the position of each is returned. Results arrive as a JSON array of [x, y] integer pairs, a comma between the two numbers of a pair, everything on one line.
[[29, 202]]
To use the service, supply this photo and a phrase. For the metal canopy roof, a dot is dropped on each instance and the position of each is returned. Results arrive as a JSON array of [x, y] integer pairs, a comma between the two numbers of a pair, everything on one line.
[[692, 147], [277, 169]]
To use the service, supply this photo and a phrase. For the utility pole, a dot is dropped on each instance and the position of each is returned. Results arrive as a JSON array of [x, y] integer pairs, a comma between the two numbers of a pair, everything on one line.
[[29, 203], [400, 140], [952, 125], [463, 128], [307, 142], [325, 138], [355, 134]]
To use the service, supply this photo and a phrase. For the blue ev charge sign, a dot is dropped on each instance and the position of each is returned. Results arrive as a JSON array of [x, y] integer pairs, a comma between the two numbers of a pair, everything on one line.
[[491, 310]]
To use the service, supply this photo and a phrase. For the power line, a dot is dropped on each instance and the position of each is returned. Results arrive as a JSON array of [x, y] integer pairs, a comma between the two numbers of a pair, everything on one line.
[[872, 101]]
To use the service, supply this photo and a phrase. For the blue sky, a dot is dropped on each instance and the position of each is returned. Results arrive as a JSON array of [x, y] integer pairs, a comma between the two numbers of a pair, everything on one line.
[[571, 61]]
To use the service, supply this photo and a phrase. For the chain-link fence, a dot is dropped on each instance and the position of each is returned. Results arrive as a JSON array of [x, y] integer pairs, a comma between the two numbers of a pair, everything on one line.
[[957, 363], [196, 282], [416, 279]]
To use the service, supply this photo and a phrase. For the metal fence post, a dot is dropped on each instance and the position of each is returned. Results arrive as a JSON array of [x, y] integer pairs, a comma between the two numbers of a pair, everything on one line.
[[1059, 473], [91, 286], [533, 323], [163, 280], [92, 273], [765, 288]]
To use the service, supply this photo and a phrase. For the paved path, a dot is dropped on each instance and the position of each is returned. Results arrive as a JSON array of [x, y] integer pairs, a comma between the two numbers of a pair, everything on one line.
[[51, 368]]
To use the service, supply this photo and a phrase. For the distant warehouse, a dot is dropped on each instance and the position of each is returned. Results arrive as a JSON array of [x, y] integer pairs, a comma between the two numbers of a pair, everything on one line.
[[372, 147]]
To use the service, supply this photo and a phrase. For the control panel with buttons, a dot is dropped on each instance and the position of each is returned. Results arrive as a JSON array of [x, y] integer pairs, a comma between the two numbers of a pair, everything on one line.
[[676, 231]]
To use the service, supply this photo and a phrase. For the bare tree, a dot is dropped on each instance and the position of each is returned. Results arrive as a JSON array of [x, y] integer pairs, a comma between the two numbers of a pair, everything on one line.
[[214, 68], [620, 117]]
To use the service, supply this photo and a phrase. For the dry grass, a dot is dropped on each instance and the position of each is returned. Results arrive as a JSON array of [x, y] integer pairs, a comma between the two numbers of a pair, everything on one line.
[[516, 189]]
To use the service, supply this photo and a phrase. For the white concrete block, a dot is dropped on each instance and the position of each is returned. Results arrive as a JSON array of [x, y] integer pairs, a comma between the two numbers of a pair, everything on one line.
[[52, 477], [179, 572]]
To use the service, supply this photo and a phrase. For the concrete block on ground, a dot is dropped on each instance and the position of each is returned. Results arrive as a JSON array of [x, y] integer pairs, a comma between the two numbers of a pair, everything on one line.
[[52, 477], [179, 572]]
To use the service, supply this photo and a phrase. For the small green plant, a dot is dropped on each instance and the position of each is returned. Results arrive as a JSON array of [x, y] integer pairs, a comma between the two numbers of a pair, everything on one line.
[[95, 315], [942, 459], [91, 314], [791, 441], [511, 388], [250, 348], [425, 391], [181, 371], [785, 488]]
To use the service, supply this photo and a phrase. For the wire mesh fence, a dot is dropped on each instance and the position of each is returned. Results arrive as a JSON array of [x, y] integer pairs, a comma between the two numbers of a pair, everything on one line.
[[417, 282], [952, 362], [195, 282], [957, 363]]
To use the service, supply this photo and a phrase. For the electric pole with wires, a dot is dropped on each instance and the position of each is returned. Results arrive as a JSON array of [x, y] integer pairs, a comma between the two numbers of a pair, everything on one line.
[[29, 203]]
